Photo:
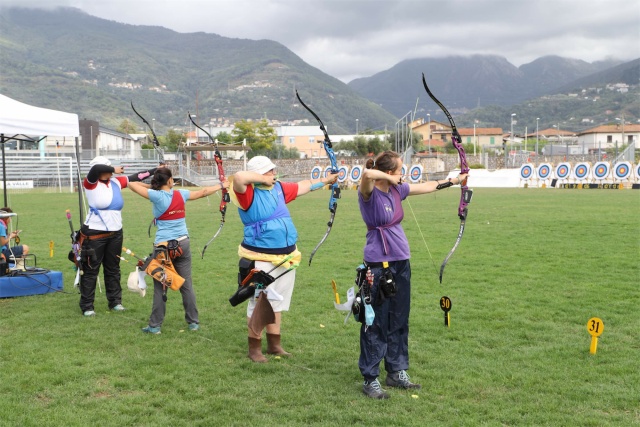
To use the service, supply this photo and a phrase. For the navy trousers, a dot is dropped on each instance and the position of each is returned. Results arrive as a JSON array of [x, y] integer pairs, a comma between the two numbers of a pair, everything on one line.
[[388, 337]]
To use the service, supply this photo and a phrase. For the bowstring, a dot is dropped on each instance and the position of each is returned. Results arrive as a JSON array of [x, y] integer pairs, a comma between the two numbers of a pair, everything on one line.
[[435, 268]]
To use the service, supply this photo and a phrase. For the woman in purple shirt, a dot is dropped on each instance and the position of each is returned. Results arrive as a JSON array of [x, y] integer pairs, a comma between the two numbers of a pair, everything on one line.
[[386, 254]]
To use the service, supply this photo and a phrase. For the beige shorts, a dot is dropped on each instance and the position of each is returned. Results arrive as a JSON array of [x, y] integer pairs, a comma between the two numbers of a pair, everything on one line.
[[283, 287]]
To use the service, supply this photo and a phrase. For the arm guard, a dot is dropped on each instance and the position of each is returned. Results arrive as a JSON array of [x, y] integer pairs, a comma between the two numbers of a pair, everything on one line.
[[444, 184], [140, 176], [97, 170]]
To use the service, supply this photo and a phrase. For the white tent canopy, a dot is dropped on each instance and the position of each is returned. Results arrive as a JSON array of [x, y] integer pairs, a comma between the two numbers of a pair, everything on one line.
[[17, 118]]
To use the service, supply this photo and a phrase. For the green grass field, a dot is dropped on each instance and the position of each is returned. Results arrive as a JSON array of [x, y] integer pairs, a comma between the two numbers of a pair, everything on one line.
[[534, 265]]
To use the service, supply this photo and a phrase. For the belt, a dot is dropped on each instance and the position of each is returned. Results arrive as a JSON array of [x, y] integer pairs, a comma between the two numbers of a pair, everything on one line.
[[99, 236], [180, 239], [373, 264]]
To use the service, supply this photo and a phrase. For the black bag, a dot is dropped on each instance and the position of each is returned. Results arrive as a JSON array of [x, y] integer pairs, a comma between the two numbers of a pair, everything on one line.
[[243, 293], [4, 267], [244, 268], [363, 293]]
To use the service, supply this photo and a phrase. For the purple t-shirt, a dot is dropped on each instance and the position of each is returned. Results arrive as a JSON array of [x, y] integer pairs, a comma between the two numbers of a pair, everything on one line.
[[385, 244]]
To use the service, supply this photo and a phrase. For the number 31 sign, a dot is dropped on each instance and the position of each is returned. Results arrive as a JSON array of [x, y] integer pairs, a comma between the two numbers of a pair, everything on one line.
[[595, 327]]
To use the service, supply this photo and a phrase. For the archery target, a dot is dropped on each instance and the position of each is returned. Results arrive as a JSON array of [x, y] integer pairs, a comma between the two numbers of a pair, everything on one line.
[[526, 171], [563, 170], [315, 172], [622, 170], [327, 171], [415, 173], [582, 170], [601, 170], [356, 173], [637, 171], [343, 173], [404, 170], [544, 170]]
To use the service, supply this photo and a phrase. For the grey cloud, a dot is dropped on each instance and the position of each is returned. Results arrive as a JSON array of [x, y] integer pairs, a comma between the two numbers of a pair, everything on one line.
[[358, 38]]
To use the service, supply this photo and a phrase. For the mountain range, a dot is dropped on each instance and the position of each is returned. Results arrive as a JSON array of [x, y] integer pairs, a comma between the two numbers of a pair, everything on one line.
[[474, 81], [66, 59]]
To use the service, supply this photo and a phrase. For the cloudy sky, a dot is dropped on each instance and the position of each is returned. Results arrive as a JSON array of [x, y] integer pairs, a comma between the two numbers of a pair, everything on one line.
[[358, 38]]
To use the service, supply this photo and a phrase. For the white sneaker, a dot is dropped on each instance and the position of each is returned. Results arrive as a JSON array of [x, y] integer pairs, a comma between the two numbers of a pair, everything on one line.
[[89, 313]]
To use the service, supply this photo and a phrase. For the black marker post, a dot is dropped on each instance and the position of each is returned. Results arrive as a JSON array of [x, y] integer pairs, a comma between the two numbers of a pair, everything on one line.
[[445, 305]]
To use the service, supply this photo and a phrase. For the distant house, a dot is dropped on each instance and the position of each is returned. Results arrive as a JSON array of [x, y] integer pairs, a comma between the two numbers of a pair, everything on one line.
[[555, 134], [431, 130], [436, 134], [97, 140], [306, 139], [606, 136], [484, 137]]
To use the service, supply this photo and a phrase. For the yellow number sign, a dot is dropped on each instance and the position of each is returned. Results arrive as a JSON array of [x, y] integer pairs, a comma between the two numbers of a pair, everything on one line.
[[595, 327]]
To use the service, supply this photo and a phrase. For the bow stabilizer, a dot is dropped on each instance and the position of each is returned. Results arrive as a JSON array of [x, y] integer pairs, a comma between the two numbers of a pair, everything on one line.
[[466, 193], [335, 187]]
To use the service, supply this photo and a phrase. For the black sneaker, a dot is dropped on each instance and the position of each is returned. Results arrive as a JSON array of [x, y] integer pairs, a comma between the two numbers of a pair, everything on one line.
[[373, 390], [400, 379]]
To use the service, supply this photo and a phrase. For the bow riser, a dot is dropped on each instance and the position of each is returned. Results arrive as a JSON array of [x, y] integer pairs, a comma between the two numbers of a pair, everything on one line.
[[335, 188], [225, 192]]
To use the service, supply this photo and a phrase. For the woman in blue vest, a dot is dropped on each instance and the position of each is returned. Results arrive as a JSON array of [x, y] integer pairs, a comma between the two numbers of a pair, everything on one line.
[[269, 240], [169, 213]]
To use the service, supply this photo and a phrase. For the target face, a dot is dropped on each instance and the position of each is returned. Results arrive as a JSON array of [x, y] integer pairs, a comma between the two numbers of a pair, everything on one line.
[[327, 171], [356, 172], [544, 170], [343, 173], [526, 171], [601, 170], [581, 170], [404, 170], [315, 172], [562, 170], [415, 173], [638, 171], [622, 170]]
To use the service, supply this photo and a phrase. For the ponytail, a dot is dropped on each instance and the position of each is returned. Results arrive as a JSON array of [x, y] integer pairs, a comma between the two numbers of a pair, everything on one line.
[[160, 178], [385, 161]]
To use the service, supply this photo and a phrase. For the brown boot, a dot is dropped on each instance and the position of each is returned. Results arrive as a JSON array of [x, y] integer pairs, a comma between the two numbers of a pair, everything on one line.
[[273, 345], [255, 350]]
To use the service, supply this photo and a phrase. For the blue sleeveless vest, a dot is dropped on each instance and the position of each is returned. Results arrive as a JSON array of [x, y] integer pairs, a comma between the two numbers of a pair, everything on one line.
[[267, 222]]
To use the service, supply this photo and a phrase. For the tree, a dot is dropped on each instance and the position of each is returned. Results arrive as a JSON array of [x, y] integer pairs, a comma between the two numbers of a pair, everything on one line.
[[224, 138], [376, 145], [281, 152], [127, 126], [416, 141], [259, 135], [173, 140]]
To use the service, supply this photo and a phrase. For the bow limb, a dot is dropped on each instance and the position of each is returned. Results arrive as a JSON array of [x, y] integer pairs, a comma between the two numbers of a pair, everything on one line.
[[465, 192], [335, 187], [225, 192], [156, 143]]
